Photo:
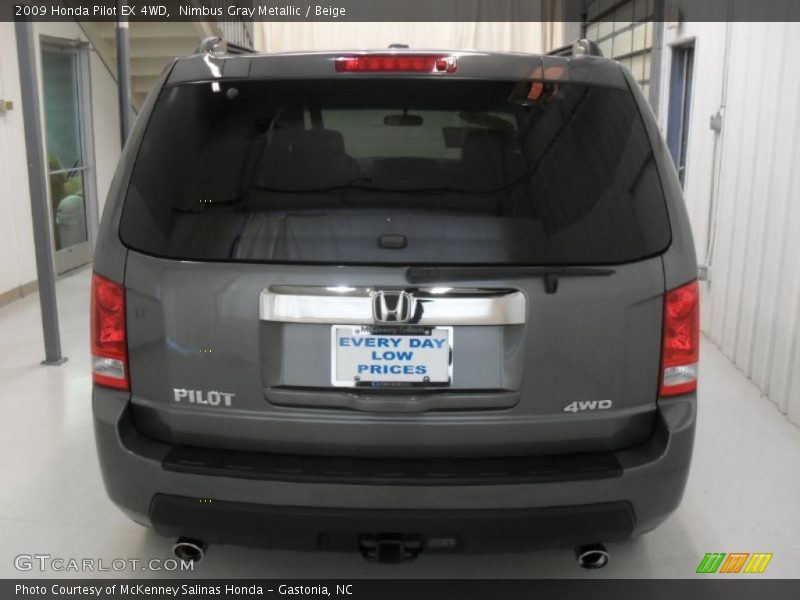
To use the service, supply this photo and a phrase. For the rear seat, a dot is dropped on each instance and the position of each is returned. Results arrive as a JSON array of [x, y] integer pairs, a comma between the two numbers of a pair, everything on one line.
[[306, 159]]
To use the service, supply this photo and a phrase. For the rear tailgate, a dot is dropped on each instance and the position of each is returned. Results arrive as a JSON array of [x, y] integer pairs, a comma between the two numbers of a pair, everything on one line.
[[579, 374], [264, 216]]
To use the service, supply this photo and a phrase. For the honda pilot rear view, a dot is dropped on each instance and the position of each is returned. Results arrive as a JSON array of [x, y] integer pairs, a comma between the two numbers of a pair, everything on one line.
[[395, 302]]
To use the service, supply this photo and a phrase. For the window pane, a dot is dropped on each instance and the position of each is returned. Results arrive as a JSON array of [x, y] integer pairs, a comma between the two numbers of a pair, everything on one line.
[[69, 213], [623, 16], [639, 37], [637, 66], [64, 155], [470, 172], [62, 120], [622, 44], [640, 10]]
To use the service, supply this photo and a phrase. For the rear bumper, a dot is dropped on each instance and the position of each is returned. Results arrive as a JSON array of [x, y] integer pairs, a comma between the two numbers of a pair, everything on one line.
[[305, 528], [642, 487]]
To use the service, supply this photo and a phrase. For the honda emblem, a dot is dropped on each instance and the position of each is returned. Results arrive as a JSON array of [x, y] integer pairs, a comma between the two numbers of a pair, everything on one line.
[[393, 307]]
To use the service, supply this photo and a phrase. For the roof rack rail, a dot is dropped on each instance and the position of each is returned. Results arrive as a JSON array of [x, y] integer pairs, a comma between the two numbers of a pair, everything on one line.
[[561, 51], [217, 44], [237, 49], [211, 44], [582, 47]]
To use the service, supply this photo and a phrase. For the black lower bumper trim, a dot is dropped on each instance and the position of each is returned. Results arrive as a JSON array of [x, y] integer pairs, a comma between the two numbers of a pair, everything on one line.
[[392, 471], [310, 528]]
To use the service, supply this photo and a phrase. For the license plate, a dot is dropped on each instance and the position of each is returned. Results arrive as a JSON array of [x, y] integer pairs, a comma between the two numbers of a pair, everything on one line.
[[379, 356]]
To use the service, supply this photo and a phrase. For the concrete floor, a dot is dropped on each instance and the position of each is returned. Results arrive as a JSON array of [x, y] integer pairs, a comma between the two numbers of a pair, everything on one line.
[[743, 493]]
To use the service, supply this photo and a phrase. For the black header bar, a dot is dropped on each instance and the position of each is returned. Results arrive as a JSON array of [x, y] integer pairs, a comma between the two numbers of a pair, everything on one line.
[[384, 10], [396, 589]]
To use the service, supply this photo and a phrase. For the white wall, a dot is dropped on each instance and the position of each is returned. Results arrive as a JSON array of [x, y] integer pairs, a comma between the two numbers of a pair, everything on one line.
[[105, 112], [487, 36], [18, 265], [16, 236], [749, 228]]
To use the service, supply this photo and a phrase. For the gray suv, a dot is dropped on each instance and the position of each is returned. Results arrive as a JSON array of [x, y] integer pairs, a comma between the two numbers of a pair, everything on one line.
[[395, 302]]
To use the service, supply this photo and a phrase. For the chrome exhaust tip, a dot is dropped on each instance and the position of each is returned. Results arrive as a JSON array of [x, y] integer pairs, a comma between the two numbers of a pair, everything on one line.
[[592, 556], [189, 550]]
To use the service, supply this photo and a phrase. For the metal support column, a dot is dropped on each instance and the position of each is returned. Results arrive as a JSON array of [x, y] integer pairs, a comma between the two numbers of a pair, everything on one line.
[[40, 210], [123, 73], [656, 56]]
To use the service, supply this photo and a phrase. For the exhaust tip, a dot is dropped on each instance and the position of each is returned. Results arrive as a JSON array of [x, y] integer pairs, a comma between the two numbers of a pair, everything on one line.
[[592, 556], [189, 550]]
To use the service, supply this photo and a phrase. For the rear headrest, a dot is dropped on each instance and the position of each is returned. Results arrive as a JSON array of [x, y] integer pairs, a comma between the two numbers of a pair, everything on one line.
[[300, 159], [316, 141]]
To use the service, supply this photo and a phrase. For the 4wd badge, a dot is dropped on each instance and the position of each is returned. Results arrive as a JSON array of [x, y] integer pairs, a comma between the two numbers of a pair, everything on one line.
[[588, 405]]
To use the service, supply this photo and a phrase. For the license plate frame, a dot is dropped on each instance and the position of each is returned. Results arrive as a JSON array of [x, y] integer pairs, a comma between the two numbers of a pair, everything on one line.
[[442, 378]]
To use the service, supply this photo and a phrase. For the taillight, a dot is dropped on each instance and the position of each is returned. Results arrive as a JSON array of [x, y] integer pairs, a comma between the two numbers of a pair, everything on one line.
[[413, 63], [109, 339], [681, 340]]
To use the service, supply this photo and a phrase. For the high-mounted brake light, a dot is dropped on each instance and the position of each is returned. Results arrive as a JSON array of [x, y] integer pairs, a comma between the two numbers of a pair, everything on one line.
[[108, 334], [681, 340], [411, 63]]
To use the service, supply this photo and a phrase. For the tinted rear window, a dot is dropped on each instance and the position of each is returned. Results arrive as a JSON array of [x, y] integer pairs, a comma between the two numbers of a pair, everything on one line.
[[470, 172]]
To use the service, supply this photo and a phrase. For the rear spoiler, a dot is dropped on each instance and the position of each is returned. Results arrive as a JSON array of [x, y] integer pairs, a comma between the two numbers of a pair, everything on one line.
[[561, 51], [583, 66]]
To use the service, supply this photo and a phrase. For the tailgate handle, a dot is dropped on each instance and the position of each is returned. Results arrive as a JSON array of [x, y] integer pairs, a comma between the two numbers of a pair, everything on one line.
[[550, 275], [436, 306], [392, 241]]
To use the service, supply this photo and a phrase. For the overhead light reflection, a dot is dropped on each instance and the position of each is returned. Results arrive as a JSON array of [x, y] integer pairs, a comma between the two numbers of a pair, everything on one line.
[[215, 70]]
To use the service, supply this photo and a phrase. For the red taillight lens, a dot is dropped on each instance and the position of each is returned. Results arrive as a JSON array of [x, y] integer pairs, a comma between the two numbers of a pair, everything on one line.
[[109, 339], [412, 63], [681, 337]]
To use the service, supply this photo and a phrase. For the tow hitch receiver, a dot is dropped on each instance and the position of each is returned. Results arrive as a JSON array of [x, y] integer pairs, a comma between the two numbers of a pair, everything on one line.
[[390, 548]]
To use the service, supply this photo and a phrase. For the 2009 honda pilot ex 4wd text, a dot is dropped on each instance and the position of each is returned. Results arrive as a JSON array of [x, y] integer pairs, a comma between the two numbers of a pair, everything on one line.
[[446, 300]]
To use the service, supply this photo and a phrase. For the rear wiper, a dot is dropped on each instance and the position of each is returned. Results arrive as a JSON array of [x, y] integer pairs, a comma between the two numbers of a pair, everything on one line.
[[550, 275], [353, 185], [347, 185]]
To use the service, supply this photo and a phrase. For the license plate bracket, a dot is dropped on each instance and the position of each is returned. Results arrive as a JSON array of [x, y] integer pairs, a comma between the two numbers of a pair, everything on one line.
[[381, 356]]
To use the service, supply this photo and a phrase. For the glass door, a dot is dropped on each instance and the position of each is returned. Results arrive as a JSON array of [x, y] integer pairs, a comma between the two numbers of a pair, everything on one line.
[[70, 175]]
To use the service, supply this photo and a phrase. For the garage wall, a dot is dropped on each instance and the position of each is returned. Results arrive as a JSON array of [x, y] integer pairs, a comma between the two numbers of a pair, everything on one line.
[[18, 265], [742, 193]]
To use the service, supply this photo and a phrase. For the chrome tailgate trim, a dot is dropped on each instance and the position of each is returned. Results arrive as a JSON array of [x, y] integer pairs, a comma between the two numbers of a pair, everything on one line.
[[353, 306]]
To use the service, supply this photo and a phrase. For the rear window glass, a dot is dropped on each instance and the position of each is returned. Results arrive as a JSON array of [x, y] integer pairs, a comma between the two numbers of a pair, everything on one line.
[[469, 172]]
